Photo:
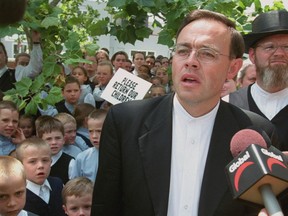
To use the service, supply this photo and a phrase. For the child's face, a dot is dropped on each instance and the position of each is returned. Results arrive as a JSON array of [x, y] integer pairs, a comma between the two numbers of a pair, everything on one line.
[[95, 128], [55, 139], [8, 122], [27, 127], [157, 92], [143, 69], [78, 206], [70, 133], [71, 93], [104, 74], [79, 74], [163, 75], [37, 162], [91, 68], [12, 195]]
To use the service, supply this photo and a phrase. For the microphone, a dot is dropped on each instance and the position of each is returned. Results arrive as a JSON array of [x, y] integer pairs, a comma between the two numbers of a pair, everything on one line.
[[257, 174]]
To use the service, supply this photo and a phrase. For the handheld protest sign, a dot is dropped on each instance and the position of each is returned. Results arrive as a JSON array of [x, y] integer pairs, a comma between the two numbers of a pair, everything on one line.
[[125, 86]]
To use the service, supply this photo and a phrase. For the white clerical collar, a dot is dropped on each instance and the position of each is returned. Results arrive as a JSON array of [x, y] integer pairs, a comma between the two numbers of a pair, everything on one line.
[[269, 103], [180, 109]]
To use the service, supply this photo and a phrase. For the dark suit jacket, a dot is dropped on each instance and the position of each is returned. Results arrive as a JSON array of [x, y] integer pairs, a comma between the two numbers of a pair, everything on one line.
[[243, 99], [135, 156], [37, 206]]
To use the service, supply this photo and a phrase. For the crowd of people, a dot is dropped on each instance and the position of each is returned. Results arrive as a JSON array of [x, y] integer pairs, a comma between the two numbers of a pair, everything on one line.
[[162, 155]]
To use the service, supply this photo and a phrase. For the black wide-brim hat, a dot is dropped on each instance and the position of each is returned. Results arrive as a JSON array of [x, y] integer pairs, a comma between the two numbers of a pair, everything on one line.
[[266, 24]]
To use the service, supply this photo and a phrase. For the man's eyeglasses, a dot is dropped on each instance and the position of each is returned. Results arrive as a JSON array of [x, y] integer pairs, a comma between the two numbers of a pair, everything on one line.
[[203, 54], [271, 48]]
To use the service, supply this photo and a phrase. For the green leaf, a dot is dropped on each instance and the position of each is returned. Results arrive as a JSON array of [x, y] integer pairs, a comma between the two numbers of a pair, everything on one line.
[[12, 91], [143, 32], [23, 86], [165, 38], [54, 95], [146, 3], [50, 21], [99, 28], [38, 83], [72, 42], [22, 105], [31, 108], [91, 49], [8, 31], [116, 3]]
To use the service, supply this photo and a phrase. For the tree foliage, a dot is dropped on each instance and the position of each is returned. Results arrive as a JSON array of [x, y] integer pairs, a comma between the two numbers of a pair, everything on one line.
[[65, 30], [168, 14]]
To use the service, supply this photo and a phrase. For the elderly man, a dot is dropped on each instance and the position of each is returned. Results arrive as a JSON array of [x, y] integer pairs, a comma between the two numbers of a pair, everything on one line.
[[268, 50]]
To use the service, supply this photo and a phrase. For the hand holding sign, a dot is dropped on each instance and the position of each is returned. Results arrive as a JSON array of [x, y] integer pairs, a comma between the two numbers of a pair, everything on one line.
[[125, 86]]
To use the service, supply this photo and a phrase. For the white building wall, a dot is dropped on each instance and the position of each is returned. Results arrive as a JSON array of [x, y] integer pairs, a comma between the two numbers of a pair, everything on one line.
[[149, 45]]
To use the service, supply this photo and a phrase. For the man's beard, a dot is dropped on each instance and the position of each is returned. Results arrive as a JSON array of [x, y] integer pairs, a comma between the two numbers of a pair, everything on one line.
[[273, 76]]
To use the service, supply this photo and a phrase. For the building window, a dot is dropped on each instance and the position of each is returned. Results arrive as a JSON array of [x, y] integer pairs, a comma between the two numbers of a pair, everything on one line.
[[19, 48]]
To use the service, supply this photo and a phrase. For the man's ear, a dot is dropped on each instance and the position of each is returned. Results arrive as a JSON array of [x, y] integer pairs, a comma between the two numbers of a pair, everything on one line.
[[234, 68], [252, 55]]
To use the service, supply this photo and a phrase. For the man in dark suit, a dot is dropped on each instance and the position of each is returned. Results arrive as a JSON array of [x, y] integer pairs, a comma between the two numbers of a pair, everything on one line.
[[167, 155], [267, 45]]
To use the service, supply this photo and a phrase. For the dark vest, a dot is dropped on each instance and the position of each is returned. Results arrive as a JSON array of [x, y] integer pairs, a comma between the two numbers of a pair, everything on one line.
[[7, 80], [61, 167], [243, 99], [60, 106], [37, 206]]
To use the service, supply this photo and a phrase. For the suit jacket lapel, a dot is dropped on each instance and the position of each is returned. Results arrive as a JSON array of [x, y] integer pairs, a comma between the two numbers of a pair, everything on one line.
[[155, 150], [215, 184]]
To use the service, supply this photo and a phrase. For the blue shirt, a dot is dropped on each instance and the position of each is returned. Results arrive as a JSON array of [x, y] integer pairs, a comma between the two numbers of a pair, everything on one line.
[[85, 164], [6, 145]]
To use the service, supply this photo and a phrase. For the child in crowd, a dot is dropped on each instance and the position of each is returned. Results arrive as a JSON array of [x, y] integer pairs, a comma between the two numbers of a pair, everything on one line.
[[77, 197], [163, 75], [10, 134], [86, 163], [27, 124], [157, 90], [51, 130], [12, 187], [156, 80], [104, 75], [69, 124], [39, 119], [144, 69], [71, 92], [229, 86], [86, 96], [81, 113], [43, 191]]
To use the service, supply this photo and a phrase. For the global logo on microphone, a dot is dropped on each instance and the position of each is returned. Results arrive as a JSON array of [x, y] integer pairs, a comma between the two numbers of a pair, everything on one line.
[[256, 166], [241, 165]]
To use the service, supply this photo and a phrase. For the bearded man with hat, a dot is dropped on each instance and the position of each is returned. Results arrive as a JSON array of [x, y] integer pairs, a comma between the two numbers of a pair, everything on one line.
[[267, 46]]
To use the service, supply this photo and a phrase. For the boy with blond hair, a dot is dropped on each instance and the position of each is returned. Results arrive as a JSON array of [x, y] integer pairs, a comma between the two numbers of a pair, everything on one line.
[[86, 163], [43, 191], [12, 187], [77, 197], [69, 123], [51, 130]]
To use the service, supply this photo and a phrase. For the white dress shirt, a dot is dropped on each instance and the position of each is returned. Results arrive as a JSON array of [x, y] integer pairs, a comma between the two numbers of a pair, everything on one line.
[[190, 144], [36, 189], [269, 103]]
